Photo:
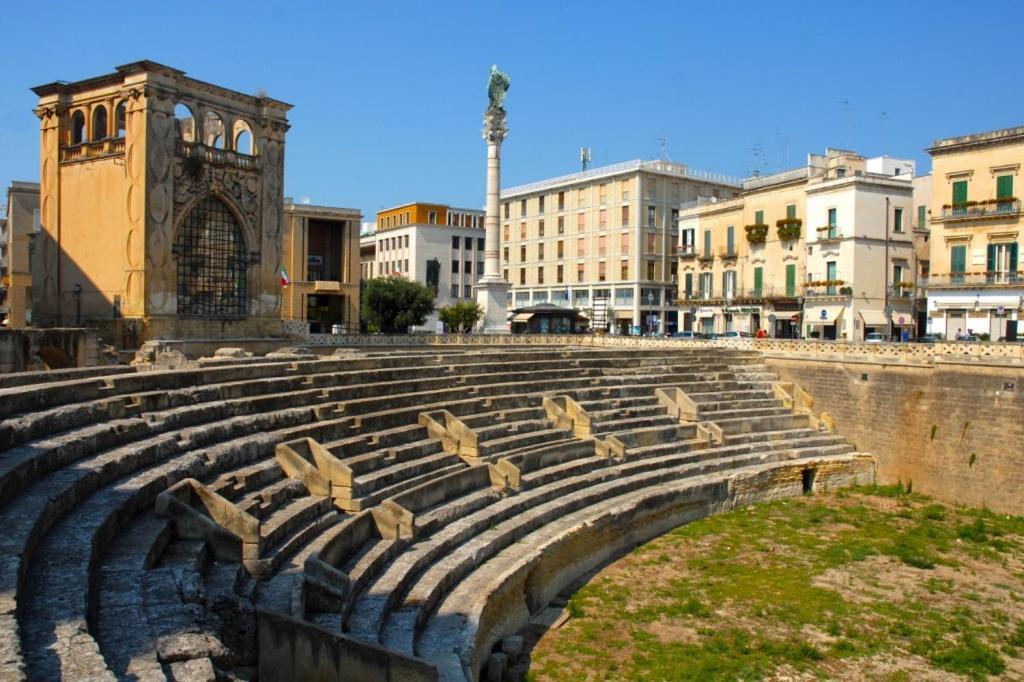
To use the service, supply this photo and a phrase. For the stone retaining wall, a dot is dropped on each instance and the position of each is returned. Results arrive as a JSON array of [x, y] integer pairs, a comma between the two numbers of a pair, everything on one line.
[[770, 347], [955, 428]]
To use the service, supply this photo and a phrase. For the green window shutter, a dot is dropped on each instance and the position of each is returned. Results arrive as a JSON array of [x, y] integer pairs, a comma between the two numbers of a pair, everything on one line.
[[990, 259], [832, 217], [921, 216], [958, 259], [1004, 186], [707, 242], [960, 192], [791, 211], [758, 279], [759, 217], [831, 270], [731, 238], [791, 280], [725, 282], [689, 284], [1013, 258], [899, 220]]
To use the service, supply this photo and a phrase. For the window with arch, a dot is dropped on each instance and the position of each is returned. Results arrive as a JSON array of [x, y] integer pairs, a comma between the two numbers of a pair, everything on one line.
[[213, 130], [99, 123], [77, 127], [120, 120], [212, 262], [184, 122], [242, 141]]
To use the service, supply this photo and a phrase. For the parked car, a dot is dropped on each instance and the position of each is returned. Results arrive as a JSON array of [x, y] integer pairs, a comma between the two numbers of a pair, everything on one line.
[[874, 337], [736, 335], [929, 338], [686, 335]]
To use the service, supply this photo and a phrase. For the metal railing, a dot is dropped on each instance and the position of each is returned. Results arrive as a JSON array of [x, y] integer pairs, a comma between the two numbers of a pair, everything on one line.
[[740, 293], [984, 209], [974, 279]]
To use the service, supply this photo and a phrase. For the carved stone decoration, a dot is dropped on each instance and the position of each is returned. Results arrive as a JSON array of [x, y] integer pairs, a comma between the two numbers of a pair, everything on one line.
[[133, 250], [161, 123], [160, 161], [158, 204], [236, 185], [157, 294], [156, 254]]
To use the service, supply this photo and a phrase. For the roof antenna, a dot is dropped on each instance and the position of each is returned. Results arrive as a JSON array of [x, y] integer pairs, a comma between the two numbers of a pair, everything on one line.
[[663, 146], [585, 157], [846, 108]]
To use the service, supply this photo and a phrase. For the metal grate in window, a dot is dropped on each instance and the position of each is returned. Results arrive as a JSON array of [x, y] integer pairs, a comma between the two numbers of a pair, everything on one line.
[[212, 262]]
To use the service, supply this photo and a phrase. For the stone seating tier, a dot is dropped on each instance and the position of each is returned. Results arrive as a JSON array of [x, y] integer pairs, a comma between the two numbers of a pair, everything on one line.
[[379, 546]]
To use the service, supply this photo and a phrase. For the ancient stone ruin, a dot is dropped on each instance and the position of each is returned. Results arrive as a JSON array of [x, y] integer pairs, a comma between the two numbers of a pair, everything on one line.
[[389, 514]]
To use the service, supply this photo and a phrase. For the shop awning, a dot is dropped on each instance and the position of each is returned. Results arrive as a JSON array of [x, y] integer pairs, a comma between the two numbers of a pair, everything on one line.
[[522, 317], [823, 315], [705, 313], [873, 318]]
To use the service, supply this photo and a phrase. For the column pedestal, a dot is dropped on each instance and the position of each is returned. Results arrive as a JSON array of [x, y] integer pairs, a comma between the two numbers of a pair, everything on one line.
[[492, 296]]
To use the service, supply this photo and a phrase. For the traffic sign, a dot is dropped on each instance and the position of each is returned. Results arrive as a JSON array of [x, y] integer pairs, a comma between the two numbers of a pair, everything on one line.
[[902, 320]]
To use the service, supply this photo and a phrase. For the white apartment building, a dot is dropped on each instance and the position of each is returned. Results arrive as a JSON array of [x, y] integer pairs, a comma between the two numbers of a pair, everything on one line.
[[434, 244]]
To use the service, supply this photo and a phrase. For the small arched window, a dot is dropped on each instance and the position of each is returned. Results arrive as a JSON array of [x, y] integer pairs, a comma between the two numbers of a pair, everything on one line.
[[213, 130], [243, 139], [99, 123], [184, 123], [120, 120], [77, 127]]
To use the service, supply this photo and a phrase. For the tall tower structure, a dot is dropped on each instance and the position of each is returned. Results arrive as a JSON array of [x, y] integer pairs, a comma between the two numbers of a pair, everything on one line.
[[160, 200]]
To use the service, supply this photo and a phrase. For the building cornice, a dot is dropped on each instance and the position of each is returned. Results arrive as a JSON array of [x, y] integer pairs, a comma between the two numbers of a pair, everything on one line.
[[992, 138]]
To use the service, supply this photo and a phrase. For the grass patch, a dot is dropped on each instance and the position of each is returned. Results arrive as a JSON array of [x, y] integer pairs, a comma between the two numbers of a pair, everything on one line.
[[856, 569]]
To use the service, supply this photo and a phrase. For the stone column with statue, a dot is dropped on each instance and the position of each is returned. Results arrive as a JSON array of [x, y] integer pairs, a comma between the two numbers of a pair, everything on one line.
[[492, 289]]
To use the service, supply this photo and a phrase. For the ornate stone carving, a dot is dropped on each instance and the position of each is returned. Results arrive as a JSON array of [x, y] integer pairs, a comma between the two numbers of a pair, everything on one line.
[[239, 186], [495, 129]]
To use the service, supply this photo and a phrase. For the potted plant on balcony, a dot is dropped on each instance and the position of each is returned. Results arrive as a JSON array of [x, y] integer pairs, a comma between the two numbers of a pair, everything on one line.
[[788, 229], [846, 291], [756, 233]]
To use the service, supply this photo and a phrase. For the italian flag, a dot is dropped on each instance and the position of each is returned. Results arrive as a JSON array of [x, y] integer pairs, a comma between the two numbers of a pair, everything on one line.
[[284, 278]]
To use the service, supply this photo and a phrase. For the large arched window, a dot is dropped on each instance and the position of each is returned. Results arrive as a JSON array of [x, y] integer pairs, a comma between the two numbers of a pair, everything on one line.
[[99, 123], [184, 122], [212, 262], [77, 127]]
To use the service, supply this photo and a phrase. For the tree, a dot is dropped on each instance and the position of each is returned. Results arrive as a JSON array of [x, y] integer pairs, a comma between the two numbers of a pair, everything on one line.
[[461, 316], [394, 304]]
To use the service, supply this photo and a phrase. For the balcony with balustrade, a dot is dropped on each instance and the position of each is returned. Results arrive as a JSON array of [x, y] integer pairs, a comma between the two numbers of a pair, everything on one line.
[[990, 209], [1005, 279], [196, 153], [89, 151]]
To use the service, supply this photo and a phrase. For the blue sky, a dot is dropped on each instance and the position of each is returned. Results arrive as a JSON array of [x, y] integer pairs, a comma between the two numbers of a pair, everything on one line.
[[389, 96]]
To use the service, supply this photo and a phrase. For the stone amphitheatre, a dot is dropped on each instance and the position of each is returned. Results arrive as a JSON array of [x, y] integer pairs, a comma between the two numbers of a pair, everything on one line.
[[392, 513]]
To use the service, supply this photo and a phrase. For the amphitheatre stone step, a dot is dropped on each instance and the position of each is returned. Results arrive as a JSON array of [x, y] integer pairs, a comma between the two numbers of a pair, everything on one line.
[[264, 501], [572, 544], [742, 413], [610, 426], [37, 514], [429, 587]]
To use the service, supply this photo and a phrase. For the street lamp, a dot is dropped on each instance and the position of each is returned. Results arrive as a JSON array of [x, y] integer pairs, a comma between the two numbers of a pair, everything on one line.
[[650, 313]]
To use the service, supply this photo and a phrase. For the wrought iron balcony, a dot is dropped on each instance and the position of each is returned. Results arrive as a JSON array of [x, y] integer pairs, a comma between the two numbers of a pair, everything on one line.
[[727, 252], [706, 256], [975, 280], [992, 208], [687, 251]]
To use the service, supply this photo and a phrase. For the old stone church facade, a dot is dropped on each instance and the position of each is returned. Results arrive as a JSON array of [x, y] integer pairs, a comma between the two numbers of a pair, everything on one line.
[[160, 205]]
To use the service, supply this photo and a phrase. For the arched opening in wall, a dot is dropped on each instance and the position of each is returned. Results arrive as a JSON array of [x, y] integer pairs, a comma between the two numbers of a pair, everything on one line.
[[243, 139], [77, 127], [55, 358], [99, 123], [213, 130], [121, 119], [212, 262], [184, 122]]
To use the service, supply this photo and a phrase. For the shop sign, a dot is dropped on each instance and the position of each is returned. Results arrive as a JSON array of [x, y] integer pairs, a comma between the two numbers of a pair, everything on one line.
[[742, 310]]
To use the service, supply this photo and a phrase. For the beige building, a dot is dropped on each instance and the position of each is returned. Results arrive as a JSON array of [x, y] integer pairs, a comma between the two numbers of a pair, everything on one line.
[[19, 255], [161, 200], [321, 260], [815, 251], [603, 241], [976, 281]]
